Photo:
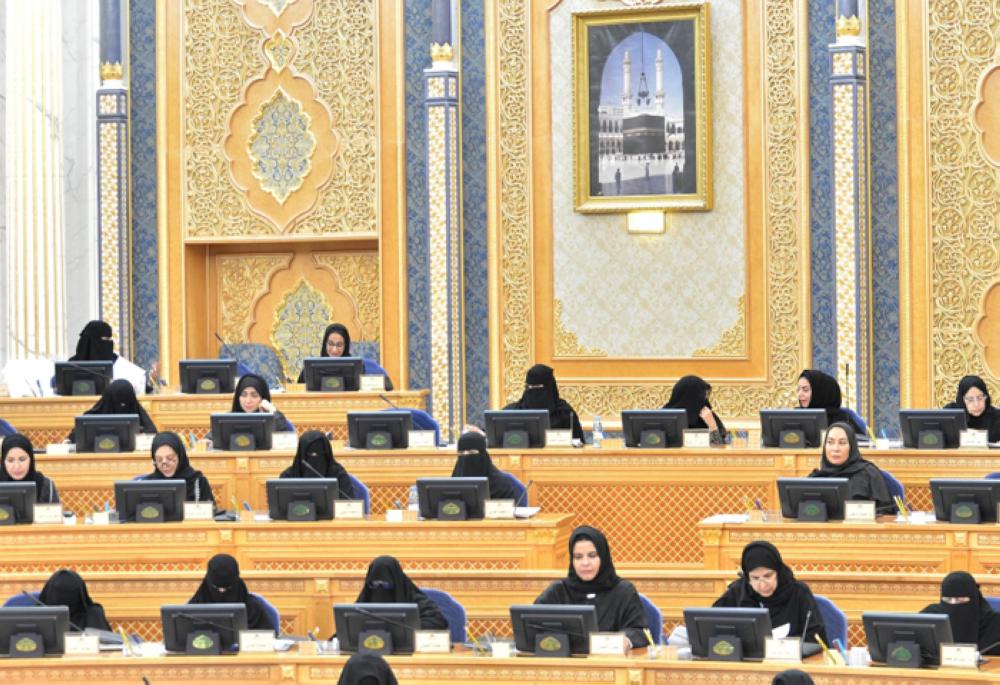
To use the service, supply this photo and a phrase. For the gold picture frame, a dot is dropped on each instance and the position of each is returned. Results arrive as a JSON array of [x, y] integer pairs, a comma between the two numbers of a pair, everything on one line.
[[635, 71]]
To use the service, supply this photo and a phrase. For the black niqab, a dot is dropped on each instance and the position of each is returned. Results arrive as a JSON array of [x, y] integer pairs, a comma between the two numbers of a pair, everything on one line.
[[222, 585], [474, 461], [973, 622], [385, 582], [66, 588], [546, 395], [315, 456], [792, 676], [92, 346], [690, 393], [119, 398], [367, 669]]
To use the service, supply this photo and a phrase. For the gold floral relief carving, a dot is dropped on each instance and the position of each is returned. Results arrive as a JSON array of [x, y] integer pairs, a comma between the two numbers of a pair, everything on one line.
[[358, 276], [733, 342], [986, 112], [243, 281], [279, 50], [271, 15], [566, 342]]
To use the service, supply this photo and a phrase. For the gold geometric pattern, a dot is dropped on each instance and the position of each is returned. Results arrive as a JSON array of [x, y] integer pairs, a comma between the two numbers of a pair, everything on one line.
[[281, 146], [564, 340], [243, 280], [279, 50], [845, 129], [111, 191], [734, 339], [358, 275]]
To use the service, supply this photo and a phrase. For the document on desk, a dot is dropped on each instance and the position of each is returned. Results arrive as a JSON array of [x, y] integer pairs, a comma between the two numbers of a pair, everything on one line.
[[525, 512], [727, 518]]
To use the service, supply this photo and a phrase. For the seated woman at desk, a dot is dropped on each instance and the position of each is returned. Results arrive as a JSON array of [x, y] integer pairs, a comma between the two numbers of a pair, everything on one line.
[[541, 392], [817, 390], [170, 462], [119, 398], [766, 581], [385, 583], [367, 669], [314, 459], [337, 343], [18, 464], [592, 580], [973, 621], [474, 461], [253, 395], [691, 394], [66, 588], [223, 585], [842, 459], [980, 414], [95, 344]]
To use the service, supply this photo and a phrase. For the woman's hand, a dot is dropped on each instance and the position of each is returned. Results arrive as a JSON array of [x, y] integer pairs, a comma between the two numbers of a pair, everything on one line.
[[708, 417], [267, 406]]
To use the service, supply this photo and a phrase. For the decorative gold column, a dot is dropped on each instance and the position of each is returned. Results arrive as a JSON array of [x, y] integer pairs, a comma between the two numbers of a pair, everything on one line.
[[36, 286]]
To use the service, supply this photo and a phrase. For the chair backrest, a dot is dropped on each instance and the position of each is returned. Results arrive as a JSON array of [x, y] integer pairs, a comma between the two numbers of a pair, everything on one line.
[[259, 359], [361, 492], [454, 613], [6, 429], [422, 421], [834, 619], [994, 603], [272, 612], [19, 600], [521, 498], [856, 418], [896, 488], [993, 476], [654, 617]]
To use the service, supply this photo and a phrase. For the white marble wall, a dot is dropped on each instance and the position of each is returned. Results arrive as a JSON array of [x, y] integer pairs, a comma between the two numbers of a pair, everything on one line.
[[3, 156]]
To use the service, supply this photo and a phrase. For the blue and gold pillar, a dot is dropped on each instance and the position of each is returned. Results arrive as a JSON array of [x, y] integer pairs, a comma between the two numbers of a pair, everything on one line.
[[849, 87], [445, 228], [113, 225]]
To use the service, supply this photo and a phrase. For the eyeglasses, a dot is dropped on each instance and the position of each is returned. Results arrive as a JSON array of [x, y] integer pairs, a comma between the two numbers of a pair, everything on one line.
[[381, 585], [165, 461], [974, 399], [336, 345]]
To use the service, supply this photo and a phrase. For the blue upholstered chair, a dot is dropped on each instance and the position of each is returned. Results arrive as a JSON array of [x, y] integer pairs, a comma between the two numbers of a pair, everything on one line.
[[257, 358], [856, 418], [454, 613], [833, 619], [272, 612], [896, 488], [521, 498], [994, 602], [361, 492], [421, 421], [654, 617], [6, 429], [19, 600], [993, 476]]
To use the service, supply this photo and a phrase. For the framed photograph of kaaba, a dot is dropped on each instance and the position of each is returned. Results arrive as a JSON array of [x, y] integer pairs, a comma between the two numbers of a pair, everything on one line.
[[642, 117]]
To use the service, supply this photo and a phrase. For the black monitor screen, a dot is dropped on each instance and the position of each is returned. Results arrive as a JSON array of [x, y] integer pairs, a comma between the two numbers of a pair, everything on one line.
[[332, 374], [749, 625], [931, 428], [927, 630], [106, 432], [143, 500], [379, 430], [17, 502], [288, 498], [399, 620], [799, 495], [576, 621], [207, 376], [83, 378], [516, 428], [654, 428], [965, 500], [444, 494], [796, 426], [51, 623], [241, 431], [179, 620]]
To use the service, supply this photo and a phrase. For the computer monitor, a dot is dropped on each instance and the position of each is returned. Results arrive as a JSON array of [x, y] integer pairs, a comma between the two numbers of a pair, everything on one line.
[[301, 499], [746, 627], [379, 430], [654, 428], [965, 500], [207, 376], [928, 631], [17, 503], [150, 501], [812, 499], [242, 431], [33, 624], [369, 626], [792, 428], [516, 428], [106, 432], [202, 628], [83, 378], [545, 629], [931, 429], [332, 374], [455, 499]]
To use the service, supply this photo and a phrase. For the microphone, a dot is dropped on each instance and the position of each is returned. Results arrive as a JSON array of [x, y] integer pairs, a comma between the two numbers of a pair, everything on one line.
[[40, 603], [805, 626], [199, 620], [847, 382], [387, 401], [522, 501], [218, 337], [557, 629], [323, 476], [372, 614]]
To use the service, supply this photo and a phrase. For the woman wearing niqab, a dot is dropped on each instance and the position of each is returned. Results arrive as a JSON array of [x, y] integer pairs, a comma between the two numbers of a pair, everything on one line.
[[542, 392]]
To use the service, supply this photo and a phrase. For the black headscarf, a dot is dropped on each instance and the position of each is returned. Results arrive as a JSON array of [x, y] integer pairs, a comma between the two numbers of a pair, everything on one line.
[[973, 622], [826, 395], [367, 669], [606, 577], [385, 582], [119, 398], [866, 481], [197, 485], [342, 330], [690, 393], [990, 415], [854, 463], [22, 441], [474, 461], [315, 450], [544, 397], [254, 381], [763, 554], [92, 346], [66, 588], [224, 572], [792, 676]]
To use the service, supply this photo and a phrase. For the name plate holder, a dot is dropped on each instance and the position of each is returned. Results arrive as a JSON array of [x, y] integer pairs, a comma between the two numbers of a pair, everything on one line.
[[558, 438], [350, 509], [80, 644], [498, 509], [697, 438], [959, 655], [284, 440], [421, 440], [500, 649], [431, 642], [973, 439], [102, 518], [60, 448], [608, 644], [198, 511], [394, 515], [369, 382], [144, 442], [859, 511], [256, 641], [48, 513], [784, 650]]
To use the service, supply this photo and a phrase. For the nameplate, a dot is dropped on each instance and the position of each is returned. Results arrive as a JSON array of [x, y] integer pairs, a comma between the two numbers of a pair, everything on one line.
[[697, 438], [959, 655], [859, 511], [559, 438], [78, 643], [48, 513], [256, 641], [500, 649], [431, 642], [370, 382], [787, 649], [608, 644], [973, 438], [421, 439], [498, 509], [198, 511], [101, 518], [394, 515], [285, 440], [144, 442], [349, 509], [60, 448]]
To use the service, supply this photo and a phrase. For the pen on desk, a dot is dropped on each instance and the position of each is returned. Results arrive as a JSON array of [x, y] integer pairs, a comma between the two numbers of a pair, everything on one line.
[[760, 507], [840, 646], [107, 506], [246, 505], [476, 644], [126, 643], [649, 638]]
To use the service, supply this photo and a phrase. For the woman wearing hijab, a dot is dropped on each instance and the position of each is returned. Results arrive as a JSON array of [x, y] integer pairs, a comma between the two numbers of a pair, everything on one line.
[[541, 392], [792, 676], [367, 669], [253, 395], [818, 390], [119, 398], [842, 459], [385, 583], [337, 343], [474, 461], [314, 459], [765, 581], [980, 414], [592, 580], [66, 588], [170, 462], [95, 344], [223, 585], [691, 393], [18, 464], [972, 619]]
